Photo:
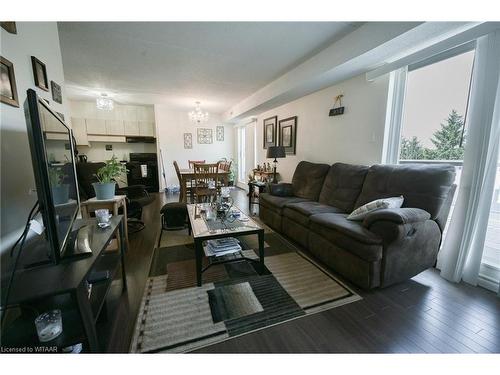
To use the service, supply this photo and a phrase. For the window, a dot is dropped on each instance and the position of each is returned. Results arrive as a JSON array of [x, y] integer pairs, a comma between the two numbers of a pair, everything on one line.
[[434, 110], [241, 154]]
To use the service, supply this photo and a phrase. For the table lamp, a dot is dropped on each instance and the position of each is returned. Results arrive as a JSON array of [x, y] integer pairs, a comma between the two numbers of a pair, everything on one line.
[[275, 152]]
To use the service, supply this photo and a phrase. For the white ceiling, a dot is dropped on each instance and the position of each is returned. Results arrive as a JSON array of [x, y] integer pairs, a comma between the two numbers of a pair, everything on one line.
[[217, 63]]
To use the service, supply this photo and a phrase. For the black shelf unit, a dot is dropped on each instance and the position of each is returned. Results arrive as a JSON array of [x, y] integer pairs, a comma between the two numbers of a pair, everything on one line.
[[64, 287]]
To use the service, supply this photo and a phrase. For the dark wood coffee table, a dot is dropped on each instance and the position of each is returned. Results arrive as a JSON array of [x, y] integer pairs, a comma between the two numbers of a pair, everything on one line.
[[201, 230]]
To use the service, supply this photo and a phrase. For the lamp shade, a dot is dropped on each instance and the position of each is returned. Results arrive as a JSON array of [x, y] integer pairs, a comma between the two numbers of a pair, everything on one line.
[[276, 152]]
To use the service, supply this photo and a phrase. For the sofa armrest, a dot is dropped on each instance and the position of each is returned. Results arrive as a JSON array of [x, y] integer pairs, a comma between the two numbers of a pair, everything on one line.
[[397, 216], [281, 190]]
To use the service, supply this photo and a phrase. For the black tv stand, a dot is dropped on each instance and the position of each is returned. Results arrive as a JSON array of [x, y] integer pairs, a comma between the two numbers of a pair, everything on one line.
[[65, 286]]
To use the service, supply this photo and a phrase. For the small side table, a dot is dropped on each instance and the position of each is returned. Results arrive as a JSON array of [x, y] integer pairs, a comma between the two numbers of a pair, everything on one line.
[[266, 176], [254, 189], [113, 205]]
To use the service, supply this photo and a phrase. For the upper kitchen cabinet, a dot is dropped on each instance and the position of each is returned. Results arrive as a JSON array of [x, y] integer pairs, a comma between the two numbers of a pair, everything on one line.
[[114, 127], [131, 128], [79, 131], [146, 129], [96, 126]]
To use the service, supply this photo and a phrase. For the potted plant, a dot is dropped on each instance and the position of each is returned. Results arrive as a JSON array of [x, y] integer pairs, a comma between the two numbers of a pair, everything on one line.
[[107, 176], [60, 191]]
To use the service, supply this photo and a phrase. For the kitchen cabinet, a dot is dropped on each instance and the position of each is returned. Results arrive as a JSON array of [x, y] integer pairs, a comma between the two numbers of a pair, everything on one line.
[[51, 124], [95, 126], [80, 131], [146, 129], [114, 127], [131, 128]]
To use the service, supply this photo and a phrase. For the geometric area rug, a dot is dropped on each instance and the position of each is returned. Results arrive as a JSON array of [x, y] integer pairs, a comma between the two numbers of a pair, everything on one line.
[[176, 316]]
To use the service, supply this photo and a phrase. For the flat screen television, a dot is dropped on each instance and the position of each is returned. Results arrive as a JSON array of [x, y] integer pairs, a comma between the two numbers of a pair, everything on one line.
[[52, 154]]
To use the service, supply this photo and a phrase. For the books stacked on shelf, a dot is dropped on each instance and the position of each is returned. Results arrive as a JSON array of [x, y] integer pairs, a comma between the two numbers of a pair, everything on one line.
[[222, 246]]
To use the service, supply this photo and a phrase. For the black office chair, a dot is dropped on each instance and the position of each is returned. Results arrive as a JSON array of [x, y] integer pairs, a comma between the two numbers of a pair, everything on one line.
[[137, 196]]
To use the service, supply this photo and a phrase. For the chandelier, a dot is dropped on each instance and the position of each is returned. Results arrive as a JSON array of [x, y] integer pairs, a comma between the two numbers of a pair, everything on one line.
[[197, 115], [104, 103]]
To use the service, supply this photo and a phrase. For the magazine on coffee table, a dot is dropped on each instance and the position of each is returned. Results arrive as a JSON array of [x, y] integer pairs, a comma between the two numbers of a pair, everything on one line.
[[222, 247]]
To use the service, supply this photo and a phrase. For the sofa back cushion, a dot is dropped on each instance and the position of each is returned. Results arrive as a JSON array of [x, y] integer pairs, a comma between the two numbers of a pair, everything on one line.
[[342, 185], [424, 186], [308, 179]]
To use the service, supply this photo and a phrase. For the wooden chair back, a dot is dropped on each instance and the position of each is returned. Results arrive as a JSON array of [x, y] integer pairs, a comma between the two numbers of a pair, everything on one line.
[[178, 172], [206, 177], [193, 162]]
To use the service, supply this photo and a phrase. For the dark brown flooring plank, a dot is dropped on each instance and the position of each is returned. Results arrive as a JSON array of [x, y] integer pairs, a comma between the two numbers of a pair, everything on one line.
[[438, 317]]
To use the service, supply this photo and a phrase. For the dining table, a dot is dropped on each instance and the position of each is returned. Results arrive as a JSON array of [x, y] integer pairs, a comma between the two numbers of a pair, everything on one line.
[[187, 175]]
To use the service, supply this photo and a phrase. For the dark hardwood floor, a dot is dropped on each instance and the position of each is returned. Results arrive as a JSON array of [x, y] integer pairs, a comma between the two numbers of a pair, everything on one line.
[[424, 315]]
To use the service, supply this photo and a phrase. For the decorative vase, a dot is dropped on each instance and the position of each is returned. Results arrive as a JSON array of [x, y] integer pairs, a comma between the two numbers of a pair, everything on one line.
[[104, 190], [60, 194]]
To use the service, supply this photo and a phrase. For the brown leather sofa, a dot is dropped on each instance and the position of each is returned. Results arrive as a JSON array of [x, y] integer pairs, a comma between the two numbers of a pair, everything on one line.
[[389, 245]]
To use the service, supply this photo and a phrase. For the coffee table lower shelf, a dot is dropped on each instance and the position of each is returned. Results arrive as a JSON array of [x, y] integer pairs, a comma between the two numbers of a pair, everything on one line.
[[200, 253]]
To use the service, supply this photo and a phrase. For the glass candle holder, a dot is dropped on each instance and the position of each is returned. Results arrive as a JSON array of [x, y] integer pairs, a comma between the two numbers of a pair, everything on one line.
[[48, 325], [102, 216]]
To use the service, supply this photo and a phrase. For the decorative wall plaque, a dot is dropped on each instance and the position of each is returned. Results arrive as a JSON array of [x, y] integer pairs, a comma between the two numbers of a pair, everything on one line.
[[188, 140], [219, 133], [205, 136]]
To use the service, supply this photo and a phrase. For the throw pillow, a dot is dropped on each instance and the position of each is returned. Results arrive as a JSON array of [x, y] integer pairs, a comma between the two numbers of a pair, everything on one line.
[[361, 212]]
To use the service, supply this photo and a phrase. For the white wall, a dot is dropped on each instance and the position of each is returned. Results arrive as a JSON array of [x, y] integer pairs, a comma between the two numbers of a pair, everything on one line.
[[354, 137], [171, 124], [39, 39]]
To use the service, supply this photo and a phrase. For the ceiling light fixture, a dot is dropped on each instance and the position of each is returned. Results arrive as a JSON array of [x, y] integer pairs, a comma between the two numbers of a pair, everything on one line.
[[197, 115], [104, 103]]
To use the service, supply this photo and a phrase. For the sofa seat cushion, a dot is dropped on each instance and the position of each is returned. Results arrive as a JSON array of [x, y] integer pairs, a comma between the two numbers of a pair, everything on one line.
[[276, 203], [300, 211], [349, 235]]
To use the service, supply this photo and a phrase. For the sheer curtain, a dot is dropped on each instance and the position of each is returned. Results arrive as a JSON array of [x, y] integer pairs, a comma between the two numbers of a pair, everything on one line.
[[460, 257]]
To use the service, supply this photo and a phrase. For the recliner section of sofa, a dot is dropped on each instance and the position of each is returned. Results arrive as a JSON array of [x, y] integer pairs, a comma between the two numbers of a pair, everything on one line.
[[390, 245]]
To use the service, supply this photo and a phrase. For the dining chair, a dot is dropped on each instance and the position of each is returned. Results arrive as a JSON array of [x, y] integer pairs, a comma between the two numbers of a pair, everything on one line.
[[183, 194], [226, 167], [193, 162], [206, 177]]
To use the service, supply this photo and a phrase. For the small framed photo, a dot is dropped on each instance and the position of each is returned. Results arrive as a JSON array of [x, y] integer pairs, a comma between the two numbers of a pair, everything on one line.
[[270, 131], [288, 134], [39, 74], [56, 92], [8, 88]]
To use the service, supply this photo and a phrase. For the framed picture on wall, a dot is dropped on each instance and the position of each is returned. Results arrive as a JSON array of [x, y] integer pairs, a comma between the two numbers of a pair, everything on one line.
[[288, 134], [8, 88], [56, 92], [39, 74], [270, 131], [9, 26]]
